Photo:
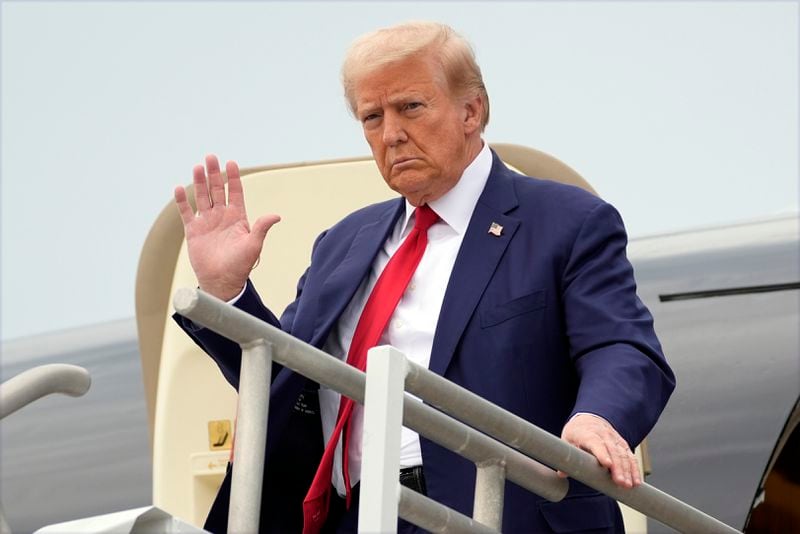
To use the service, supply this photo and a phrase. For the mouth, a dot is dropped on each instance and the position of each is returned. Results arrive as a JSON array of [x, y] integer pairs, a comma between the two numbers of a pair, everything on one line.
[[402, 162]]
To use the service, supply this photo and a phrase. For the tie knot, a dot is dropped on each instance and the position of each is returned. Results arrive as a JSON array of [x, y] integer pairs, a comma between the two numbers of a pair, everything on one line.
[[425, 218]]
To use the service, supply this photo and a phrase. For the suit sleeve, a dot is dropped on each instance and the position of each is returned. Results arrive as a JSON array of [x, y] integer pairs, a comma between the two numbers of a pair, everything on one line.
[[623, 374], [226, 353]]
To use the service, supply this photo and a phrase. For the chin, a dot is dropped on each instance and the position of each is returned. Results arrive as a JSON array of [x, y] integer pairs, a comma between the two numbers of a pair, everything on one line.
[[409, 187]]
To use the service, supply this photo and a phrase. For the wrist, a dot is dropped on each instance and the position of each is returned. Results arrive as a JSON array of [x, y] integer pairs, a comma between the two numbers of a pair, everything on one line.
[[225, 292]]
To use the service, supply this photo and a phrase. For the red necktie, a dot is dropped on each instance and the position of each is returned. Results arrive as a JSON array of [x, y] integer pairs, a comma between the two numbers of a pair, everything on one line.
[[379, 309]]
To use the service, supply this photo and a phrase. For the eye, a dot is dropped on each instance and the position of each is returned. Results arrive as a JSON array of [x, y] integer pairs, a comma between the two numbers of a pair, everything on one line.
[[411, 106], [369, 118]]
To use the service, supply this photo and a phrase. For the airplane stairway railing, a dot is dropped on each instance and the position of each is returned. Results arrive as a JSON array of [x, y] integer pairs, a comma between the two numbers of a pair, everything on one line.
[[501, 444], [33, 384]]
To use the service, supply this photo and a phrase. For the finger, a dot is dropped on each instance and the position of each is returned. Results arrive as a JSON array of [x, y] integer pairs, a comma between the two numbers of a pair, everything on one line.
[[216, 185], [212, 164], [627, 466], [262, 226], [621, 468], [636, 474], [200, 188], [187, 215], [633, 468], [235, 192], [603, 456], [598, 449]]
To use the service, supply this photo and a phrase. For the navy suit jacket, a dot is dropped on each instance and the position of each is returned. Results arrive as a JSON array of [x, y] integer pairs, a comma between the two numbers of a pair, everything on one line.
[[542, 320]]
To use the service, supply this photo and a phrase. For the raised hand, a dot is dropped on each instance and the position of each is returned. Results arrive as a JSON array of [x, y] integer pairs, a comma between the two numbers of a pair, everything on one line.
[[596, 436], [222, 246]]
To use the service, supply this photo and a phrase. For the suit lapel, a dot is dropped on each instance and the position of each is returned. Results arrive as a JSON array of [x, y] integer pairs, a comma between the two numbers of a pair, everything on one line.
[[476, 262], [345, 279]]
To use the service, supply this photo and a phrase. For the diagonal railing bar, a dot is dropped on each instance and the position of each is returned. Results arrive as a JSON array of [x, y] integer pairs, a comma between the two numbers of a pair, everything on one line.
[[435, 517]]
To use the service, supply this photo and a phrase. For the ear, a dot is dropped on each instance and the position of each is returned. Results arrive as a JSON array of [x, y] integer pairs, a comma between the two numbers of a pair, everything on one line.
[[472, 114]]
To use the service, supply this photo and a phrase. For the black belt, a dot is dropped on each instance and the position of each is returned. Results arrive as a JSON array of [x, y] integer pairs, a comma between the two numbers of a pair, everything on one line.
[[414, 478]]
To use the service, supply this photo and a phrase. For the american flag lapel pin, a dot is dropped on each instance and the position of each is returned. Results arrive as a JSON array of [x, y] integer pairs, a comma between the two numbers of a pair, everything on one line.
[[496, 229]]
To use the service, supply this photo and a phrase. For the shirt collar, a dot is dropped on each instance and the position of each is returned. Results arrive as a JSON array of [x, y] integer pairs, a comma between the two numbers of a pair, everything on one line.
[[456, 206]]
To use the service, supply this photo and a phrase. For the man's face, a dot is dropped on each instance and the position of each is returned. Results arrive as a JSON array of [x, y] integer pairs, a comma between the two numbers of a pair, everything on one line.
[[422, 137]]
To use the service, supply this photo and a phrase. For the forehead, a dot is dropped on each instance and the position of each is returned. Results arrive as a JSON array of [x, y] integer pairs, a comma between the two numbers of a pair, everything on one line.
[[412, 76]]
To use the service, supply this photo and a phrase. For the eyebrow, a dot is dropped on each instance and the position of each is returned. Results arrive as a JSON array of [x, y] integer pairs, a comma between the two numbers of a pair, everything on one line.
[[394, 100], [400, 99], [367, 110]]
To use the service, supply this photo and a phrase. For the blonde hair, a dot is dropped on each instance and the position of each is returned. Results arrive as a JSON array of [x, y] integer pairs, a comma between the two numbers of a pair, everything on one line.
[[396, 43]]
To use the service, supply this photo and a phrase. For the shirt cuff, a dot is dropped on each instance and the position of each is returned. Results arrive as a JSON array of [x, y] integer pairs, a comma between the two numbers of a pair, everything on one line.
[[587, 413], [235, 299]]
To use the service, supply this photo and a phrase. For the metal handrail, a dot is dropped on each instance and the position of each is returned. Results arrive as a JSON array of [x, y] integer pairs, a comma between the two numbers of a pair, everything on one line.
[[249, 331], [532, 440], [33, 384], [434, 517], [28, 386], [245, 329]]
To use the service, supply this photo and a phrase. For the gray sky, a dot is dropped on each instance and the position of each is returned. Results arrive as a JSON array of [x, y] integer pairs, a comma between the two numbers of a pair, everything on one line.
[[682, 114]]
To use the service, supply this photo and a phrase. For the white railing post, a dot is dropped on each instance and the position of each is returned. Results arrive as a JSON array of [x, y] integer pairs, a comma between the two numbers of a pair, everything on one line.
[[490, 487], [383, 418], [251, 437]]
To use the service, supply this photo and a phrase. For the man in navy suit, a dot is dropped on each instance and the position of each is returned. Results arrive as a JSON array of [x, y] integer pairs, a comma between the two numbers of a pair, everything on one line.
[[524, 295]]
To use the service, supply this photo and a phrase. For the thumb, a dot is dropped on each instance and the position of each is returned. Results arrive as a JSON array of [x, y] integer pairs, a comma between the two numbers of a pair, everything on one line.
[[262, 226]]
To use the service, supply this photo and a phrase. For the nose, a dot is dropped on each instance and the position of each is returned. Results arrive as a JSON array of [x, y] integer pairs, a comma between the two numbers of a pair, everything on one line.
[[393, 130]]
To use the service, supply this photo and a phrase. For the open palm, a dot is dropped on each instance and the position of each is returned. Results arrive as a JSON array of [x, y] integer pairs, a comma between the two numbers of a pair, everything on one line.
[[222, 246]]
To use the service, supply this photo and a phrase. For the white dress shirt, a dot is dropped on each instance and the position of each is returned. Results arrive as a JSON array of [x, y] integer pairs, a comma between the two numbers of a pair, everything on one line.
[[413, 324]]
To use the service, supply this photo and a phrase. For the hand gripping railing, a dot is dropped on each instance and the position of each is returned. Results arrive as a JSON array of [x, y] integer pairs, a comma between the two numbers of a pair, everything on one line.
[[28, 386], [495, 461]]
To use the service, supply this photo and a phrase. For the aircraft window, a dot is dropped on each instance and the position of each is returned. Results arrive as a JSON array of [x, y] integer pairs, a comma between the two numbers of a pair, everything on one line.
[[726, 292]]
